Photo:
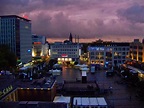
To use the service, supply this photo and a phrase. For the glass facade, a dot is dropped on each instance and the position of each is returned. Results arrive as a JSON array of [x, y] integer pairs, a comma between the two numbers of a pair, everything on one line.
[[15, 31]]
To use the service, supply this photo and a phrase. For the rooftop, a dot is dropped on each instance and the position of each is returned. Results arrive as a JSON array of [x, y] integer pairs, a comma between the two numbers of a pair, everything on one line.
[[14, 16]]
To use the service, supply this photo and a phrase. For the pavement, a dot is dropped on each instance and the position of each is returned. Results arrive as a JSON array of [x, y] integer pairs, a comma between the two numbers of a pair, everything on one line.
[[120, 95]]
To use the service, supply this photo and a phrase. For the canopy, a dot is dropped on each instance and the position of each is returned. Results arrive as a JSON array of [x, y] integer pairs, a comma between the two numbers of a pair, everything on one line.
[[62, 99]]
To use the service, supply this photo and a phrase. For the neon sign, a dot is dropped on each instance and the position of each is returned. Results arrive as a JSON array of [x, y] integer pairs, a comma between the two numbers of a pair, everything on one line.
[[64, 55], [6, 90]]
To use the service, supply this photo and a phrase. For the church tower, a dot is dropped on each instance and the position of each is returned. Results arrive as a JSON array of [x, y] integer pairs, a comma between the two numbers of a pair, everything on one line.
[[70, 38]]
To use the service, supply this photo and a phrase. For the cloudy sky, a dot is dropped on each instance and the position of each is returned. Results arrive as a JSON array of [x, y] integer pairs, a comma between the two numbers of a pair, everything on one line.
[[116, 20]]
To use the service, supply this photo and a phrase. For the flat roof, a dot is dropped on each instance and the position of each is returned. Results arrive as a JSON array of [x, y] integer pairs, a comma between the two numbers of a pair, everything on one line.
[[32, 102], [85, 101], [101, 101], [60, 99], [109, 43], [38, 105], [77, 101], [8, 16], [23, 102], [93, 101]]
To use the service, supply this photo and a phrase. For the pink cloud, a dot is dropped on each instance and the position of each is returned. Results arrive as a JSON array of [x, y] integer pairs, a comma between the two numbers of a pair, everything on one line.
[[87, 18]]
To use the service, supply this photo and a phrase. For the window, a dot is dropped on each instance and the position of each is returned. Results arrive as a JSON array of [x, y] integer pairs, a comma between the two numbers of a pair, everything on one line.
[[140, 53], [119, 57], [92, 57], [115, 57], [119, 61], [101, 57], [119, 49], [140, 47], [123, 53], [97, 53], [123, 57], [101, 53], [92, 53], [135, 47]]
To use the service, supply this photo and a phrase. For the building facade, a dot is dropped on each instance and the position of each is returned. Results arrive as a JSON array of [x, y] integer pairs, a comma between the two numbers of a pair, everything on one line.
[[36, 38], [40, 46], [15, 32], [137, 50], [108, 53], [65, 51]]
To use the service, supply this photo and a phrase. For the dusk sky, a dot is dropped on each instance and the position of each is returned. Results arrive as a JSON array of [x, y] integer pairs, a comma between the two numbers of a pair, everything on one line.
[[116, 20]]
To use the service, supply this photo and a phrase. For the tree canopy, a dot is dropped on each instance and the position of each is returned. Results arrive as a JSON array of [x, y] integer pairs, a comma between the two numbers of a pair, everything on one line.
[[7, 58]]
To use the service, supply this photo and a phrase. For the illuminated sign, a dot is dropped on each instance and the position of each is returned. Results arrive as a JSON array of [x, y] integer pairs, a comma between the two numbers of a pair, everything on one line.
[[25, 16], [37, 43], [64, 55], [6, 90], [96, 48]]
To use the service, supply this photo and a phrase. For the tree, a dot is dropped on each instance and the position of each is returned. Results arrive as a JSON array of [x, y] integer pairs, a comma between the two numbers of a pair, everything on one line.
[[7, 58], [52, 62]]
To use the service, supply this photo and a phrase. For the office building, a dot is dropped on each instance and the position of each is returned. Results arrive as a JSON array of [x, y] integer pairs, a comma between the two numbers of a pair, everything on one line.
[[40, 46], [137, 50], [108, 53], [65, 51], [37, 38], [15, 32]]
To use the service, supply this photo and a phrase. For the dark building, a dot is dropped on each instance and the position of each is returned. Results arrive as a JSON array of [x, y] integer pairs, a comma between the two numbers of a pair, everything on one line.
[[15, 32]]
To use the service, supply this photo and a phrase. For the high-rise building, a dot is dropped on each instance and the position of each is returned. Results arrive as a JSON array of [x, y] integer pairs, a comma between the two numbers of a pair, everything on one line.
[[15, 32]]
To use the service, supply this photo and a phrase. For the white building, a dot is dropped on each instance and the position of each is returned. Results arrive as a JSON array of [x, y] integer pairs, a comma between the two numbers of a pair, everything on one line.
[[108, 53], [15, 32], [65, 51]]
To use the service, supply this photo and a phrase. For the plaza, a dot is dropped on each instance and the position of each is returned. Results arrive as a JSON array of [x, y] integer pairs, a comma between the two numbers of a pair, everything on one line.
[[114, 89]]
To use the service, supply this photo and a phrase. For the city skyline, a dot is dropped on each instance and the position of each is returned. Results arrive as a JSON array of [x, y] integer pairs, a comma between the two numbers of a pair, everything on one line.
[[115, 20]]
